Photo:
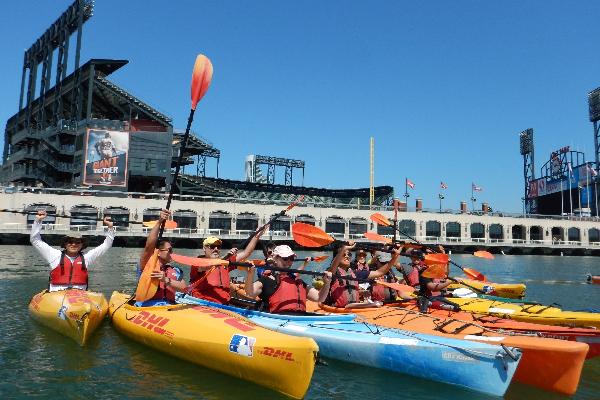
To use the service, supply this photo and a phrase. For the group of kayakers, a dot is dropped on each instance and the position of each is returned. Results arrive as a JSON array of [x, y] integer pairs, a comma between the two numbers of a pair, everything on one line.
[[348, 282]]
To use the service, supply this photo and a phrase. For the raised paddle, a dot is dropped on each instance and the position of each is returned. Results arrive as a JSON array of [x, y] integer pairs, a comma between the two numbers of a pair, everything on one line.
[[310, 236], [380, 238], [170, 224], [201, 78], [472, 273]]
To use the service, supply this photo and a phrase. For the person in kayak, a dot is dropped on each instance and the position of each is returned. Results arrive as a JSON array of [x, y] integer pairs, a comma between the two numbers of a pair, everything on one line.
[[345, 293], [268, 254], [69, 266], [360, 261], [284, 293], [213, 283], [170, 278]]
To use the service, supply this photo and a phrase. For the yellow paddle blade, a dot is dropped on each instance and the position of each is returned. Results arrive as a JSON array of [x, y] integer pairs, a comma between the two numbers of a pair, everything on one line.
[[484, 254], [380, 219], [310, 236], [169, 224], [377, 237], [436, 271], [147, 286]]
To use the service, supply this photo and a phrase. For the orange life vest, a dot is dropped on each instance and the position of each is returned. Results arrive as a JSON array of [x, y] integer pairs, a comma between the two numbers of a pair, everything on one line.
[[70, 273], [290, 295]]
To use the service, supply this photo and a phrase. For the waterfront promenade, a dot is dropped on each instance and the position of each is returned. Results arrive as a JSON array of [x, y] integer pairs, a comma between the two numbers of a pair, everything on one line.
[[234, 219]]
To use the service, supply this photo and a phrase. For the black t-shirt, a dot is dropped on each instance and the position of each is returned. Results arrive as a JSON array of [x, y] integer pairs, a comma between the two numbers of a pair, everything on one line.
[[269, 287], [423, 281]]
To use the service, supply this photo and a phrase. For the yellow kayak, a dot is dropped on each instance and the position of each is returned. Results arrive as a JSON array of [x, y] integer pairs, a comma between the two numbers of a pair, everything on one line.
[[509, 290], [220, 340], [74, 313], [535, 313]]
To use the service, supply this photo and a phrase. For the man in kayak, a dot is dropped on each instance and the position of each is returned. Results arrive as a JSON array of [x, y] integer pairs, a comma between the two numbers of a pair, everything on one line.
[[213, 283], [170, 278], [280, 292], [345, 293], [69, 266]]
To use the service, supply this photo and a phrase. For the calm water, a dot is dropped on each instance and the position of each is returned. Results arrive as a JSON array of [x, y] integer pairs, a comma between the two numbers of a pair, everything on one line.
[[37, 362]]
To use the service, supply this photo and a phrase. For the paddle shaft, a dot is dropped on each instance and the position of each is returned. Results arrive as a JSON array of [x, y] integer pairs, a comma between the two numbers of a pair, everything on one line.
[[63, 216], [177, 168], [297, 271], [467, 285]]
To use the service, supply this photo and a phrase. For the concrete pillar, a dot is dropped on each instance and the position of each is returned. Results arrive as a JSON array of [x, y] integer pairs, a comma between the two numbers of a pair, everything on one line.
[[463, 207]]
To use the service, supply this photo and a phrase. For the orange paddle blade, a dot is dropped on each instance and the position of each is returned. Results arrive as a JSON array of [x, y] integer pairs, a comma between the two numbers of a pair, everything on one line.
[[380, 219], [437, 258], [147, 286], [484, 254], [169, 224], [474, 274], [319, 258], [396, 286], [198, 261], [436, 271], [201, 78], [310, 236], [377, 237]]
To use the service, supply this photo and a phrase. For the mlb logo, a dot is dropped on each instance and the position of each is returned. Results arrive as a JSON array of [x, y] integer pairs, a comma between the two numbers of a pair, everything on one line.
[[242, 345], [488, 289]]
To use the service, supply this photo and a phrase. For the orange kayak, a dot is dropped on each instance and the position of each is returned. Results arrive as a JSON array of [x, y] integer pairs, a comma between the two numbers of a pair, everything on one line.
[[549, 364]]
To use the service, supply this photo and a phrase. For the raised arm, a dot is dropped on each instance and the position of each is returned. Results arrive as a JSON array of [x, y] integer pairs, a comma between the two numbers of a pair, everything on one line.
[[152, 239], [252, 288], [244, 254], [92, 255], [48, 253], [340, 256], [385, 268]]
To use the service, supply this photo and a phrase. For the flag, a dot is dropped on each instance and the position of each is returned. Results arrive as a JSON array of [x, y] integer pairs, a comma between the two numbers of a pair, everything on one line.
[[476, 188], [592, 171], [410, 183], [443, 185]]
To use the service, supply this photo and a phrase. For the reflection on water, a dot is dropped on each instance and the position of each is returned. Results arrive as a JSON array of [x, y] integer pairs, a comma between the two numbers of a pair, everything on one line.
[[36, 361]]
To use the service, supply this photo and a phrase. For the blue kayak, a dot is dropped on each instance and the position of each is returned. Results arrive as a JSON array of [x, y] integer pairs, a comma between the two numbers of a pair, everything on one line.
[[477, 366]]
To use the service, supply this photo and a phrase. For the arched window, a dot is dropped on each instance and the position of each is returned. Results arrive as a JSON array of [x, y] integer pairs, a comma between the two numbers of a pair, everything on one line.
[[335, 224], [219, 220], [186, 220], [88, 216], [574, 235], [477, 231], [496, 232], [32, 210], [518, 232], [283, 224], [408, 226], [558, 234], [536, 233], [594, 235], [453, 230], [357, 226], [247, 221], [119, 216], [433, 229], [306, 219]]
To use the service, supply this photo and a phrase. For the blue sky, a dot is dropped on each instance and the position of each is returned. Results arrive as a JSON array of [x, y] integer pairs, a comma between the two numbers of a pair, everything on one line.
[[444, 87]]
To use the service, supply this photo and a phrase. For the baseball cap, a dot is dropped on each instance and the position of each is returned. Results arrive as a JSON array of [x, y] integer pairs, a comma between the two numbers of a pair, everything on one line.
[[74, 235], [283, 251], [211, 240], [383, 257]]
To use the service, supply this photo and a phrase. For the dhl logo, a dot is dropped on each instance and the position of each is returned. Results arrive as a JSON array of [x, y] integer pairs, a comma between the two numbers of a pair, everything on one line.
[[277, 353], [78, 297], [228, 319], [152, 322], [36, 300]]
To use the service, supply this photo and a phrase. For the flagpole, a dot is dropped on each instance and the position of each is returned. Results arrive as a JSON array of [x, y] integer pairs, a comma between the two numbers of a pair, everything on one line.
[[596, 194], [570, 194], [406, 192], [441, 197], [587, 188], [562, 199], [472, 199]]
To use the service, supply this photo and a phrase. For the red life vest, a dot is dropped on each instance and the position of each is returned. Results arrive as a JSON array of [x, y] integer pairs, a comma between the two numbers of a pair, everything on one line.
[[213, 286], [70, 273], [290, 295], [382, 293], [164, 291], [413, 277], [342, 292]]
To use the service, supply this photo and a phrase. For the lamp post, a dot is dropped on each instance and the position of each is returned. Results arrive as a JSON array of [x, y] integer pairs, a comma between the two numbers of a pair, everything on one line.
[[523, 200]]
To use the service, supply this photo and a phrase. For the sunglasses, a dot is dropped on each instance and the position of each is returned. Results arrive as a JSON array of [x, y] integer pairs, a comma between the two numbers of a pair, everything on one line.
[[169, 250], [74, 241], [290, 258], [215, 246]]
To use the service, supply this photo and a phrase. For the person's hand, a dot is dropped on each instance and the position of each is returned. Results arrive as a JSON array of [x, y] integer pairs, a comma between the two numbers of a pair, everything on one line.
[[41, 214], [164, 215], [232, 252], [397, 249], [107, 221], [250, 271], [327, 277], [160, 275]]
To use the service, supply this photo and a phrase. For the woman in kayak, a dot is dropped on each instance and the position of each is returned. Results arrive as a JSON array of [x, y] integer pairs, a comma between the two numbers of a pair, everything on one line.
[[284, 293], [170, 278], [345, 293], [69, 266], [213, 283]]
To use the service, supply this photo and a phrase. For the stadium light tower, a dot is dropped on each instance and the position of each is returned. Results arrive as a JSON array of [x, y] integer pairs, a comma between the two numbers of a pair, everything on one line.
[[526, 147]]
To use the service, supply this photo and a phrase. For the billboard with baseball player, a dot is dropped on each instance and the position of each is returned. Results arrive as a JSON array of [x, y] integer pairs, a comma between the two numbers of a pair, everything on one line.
[[106, 158]]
